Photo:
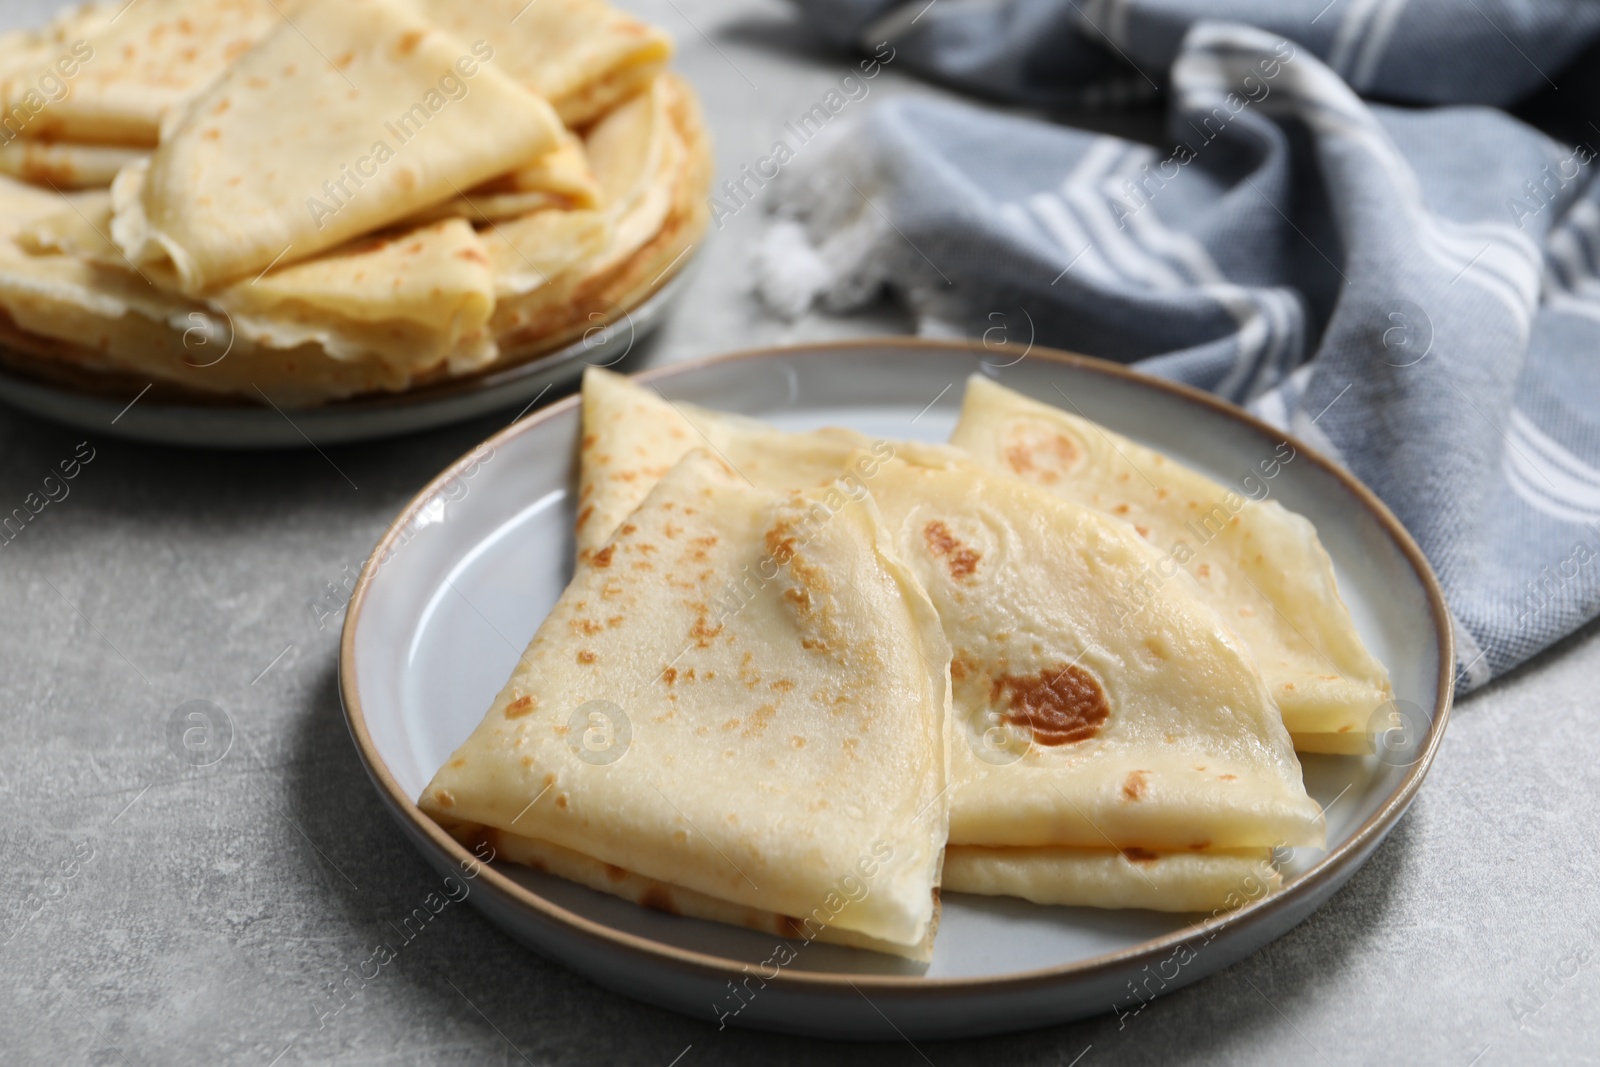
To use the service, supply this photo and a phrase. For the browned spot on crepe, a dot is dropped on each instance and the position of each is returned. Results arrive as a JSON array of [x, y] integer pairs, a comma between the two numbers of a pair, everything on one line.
[[961, 560], [1133, 786], [1044, 460], [1059, 705]]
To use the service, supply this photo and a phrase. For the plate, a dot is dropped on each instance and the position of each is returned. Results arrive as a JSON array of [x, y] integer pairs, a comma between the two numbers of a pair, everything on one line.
[[229, 423], [452, 594]]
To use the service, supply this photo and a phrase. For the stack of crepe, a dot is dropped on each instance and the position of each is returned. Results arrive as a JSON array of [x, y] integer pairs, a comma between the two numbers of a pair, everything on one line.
[[830, 654], [312, 199]]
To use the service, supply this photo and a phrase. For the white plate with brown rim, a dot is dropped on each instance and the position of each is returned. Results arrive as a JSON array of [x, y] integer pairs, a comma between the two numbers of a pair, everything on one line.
[[454, 591]]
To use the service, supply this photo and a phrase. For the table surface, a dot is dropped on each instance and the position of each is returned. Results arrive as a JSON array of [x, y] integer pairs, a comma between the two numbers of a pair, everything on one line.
[[157, 913]]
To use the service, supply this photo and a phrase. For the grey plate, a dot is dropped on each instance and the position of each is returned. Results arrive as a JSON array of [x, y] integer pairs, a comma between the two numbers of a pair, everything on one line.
[[457, 588], [365, 418]]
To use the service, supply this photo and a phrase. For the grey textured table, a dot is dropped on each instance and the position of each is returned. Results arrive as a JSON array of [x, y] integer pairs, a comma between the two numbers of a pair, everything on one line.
[[157, 913]]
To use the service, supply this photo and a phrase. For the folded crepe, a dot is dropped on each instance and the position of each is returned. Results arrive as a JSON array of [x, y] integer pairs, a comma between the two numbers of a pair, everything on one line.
[[584, 56], [74, 299], [62, 165], [632, 437], [770, 755], [541, 248], [653, 175], [413, 299], [1074, 739], [78, 304], [1259, 565], [92, 318], [559, 179], [109, 73], [80, 309], [297, 148], [1114, 878], [636, 153]]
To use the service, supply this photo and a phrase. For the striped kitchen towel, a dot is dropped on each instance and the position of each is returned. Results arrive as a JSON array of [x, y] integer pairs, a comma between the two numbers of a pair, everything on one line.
[[1413, 289]]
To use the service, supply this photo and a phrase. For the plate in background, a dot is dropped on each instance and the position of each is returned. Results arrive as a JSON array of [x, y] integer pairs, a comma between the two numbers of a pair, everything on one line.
[[466, 573], [230, 423]]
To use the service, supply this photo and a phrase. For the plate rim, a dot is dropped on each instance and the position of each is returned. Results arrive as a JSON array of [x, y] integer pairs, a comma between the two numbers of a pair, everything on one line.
[[1328, 870]]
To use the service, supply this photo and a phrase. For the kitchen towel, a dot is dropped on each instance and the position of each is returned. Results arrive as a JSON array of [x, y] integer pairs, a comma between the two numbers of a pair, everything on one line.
[[1409, 286]]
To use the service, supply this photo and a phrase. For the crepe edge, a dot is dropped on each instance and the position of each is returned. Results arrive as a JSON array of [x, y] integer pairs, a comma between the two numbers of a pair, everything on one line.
[[672, 899], [1116, 878]]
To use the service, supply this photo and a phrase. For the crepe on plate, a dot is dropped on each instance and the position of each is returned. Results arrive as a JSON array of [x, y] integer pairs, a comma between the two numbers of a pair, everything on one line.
[[560, 178], [119, 68], [414, 298], [267, 165], [1082, 751], [60, 165], [582, 55], [652, 159], [632, 437], [352, 319], [768, 754], [1258, 564]]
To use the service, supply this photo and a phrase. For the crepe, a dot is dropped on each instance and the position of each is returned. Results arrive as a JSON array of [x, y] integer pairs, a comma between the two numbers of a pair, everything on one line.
[[1068, 729], [1109, 878], [542, 247], [559, 179], [87, 317], [649, 233], [816, 925], [297, 148], [584, 56], [412, 298], [415, 298], [110, 72], [632, 437], [101, 317], [65, 166], [1259, 565], [63, 296], [768, 748], [103, 303], [635, 153]]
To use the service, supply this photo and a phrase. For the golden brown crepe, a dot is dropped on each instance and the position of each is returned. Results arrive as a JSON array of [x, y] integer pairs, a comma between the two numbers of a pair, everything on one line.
[[417, 298], [1259, 565], [542, 247], [298, 148], [412, 299], [61, 165], [564, 257], [561, 179], [1114, 878], [758, 755], [110, 72], [584, 56], [600, 291], [632, 437], [1067, 728]]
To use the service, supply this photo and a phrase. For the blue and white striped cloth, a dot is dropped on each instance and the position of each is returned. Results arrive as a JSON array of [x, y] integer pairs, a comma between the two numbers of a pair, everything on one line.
[[1414, 290]]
